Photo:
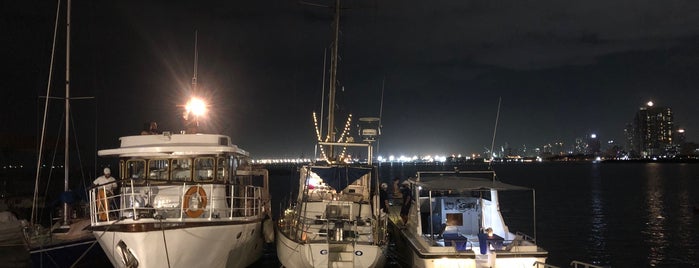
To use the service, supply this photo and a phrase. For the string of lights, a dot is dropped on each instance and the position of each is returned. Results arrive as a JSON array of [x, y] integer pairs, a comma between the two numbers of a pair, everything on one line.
[[343, 135]]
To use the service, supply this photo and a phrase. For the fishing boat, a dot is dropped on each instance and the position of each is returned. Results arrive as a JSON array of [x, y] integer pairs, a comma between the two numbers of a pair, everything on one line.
[[335, 220], [454, 220]]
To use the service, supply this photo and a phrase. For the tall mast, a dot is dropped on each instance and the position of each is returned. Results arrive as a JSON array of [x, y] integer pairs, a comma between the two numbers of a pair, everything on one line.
[[333, 82], [66, 165]]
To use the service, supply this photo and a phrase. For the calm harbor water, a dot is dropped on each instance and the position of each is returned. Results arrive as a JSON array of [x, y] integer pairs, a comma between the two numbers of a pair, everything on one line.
[[610, 214]]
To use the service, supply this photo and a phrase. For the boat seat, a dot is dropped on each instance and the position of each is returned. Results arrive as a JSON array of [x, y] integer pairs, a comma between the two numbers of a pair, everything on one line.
[[515, 242], [450, 230], [459, 242]]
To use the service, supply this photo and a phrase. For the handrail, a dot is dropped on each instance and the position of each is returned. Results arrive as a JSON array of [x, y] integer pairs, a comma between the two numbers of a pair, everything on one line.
[[583, 264], [539, 264], [575, 264], [139, 202]]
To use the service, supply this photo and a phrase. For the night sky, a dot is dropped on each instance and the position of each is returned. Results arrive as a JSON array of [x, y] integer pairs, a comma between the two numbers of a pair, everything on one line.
[[563, 69]]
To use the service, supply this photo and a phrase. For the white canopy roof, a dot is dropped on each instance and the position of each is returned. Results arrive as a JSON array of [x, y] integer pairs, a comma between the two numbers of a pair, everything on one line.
[[173, 144]]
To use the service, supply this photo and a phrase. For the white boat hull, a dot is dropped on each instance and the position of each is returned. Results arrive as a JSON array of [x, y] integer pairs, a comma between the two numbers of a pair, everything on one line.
[[292, 254], [237, 245]]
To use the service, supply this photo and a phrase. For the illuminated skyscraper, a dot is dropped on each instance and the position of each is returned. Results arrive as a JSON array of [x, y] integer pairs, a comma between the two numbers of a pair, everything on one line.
[[653, 130]]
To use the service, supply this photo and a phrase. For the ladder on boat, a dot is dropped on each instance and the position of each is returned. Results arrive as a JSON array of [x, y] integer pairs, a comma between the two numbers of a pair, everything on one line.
[[341, 253]]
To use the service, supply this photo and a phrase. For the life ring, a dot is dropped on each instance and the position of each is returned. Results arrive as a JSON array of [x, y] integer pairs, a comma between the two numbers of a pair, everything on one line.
[[101, 203], [194, 213]]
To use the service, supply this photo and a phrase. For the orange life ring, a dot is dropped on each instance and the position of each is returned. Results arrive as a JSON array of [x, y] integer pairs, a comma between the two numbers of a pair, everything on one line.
[[194, 213], [102, 206]]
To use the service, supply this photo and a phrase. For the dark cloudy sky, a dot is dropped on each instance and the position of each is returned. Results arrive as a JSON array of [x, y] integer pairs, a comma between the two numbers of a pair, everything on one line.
[[563, 69]]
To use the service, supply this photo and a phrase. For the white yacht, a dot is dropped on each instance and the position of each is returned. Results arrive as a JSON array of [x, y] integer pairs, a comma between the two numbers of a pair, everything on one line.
[[184, 200], [454, 220]]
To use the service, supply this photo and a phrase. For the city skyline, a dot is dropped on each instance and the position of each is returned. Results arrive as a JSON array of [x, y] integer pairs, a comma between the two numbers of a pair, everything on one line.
[[561, 71]]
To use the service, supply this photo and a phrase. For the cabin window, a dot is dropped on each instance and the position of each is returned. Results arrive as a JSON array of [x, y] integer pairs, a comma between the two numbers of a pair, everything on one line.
[[181, 169], [222, 168], [136, 171], [158, 170], [455, 219], [204, 169]]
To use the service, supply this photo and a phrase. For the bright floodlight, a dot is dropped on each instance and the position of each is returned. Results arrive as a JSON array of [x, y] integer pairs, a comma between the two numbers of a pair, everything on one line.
[[650, 103], [196, 107], [594, 136]]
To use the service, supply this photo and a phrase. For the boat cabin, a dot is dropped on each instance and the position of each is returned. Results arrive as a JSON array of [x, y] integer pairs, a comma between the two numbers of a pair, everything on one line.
[[183, 176], [460, 210]]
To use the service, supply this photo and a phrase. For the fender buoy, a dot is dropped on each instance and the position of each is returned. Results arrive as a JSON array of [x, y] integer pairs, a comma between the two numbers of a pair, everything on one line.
[[201, 197], [268, 230], [102, 206]]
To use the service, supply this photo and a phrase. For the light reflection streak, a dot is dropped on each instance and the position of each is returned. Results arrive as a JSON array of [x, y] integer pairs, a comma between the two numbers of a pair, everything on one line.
[[655, 220], [598, 236], [686, 216]]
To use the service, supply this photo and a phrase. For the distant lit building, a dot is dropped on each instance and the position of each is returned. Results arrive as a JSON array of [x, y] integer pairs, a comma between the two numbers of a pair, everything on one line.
[[679, 142], [557, 148], [593, 144], [580, 147], [629, 145], [680, 137], [653, 131]]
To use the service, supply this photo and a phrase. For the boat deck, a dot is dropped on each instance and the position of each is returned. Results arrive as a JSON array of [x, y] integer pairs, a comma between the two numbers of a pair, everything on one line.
[[455, 244]]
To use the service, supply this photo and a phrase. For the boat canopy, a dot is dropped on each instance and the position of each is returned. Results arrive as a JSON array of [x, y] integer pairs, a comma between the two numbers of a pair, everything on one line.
[[465, 183], [173, 144], [340, 177]]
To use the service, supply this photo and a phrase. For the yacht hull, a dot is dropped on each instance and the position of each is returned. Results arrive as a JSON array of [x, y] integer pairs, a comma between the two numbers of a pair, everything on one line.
[[293, 254], [408, 254], [237, 245]]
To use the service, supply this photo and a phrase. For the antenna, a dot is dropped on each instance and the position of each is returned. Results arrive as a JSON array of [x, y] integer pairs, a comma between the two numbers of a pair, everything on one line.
[[495, 130], [196, 61], [383, 89]]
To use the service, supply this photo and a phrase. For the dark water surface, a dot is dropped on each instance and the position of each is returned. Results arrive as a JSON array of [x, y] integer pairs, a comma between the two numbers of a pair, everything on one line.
[[611, 214]]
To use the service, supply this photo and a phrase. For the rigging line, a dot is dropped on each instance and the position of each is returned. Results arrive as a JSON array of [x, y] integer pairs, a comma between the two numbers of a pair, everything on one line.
[[492, 144], [322, 106], [53, 160], [77, 149], [383, 89], [322, 94], [94, 243], [167, 253], [46, 107]]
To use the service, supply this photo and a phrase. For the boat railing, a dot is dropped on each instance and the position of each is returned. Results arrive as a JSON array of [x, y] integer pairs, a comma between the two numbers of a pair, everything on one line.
[[525, 237], [183, 202], [539, 264], [574, 264], [465, 242], [333, 225]]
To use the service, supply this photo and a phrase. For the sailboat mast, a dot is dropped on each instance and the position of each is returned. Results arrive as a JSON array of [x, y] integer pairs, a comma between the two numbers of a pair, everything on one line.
[[333, 81], [66, 166]]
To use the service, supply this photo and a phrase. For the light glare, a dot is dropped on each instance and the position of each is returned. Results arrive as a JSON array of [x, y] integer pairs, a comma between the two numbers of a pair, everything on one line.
[[196, 106]]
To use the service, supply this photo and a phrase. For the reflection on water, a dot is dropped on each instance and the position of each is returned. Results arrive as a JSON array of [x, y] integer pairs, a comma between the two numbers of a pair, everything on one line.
[[597, 241], [609, 214], [654, 232], [686, 217]]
